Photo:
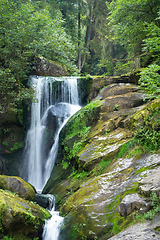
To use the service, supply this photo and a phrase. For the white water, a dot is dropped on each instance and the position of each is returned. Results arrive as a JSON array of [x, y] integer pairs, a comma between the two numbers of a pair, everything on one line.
[[61, 103], [52, 226]]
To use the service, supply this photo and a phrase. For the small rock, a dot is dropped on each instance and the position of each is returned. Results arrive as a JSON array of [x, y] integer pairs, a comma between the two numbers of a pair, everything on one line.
[[133, 202], [45, 200]]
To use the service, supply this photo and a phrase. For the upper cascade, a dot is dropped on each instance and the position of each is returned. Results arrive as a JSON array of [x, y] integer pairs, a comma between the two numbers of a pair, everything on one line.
[[56, 99]]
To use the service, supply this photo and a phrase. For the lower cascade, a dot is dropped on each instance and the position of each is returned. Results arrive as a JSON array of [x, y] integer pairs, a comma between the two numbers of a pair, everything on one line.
[[56, 100], [52, 226]]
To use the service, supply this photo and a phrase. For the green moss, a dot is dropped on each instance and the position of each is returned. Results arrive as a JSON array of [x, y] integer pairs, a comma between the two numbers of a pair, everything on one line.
[[18, 186], [80, 122], [124, 149], [19, 215]]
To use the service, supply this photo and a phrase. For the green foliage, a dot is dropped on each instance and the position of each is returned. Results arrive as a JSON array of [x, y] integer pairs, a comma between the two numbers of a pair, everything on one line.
[[5, 144], [65, 164], [7, 238], [116, 107], [128, 19], [149, 77], [82, 175], [148, 135], [155, 203], [116, 228], [103, 165], [150, 80], [125, 148], [79, 123], [16, 146]]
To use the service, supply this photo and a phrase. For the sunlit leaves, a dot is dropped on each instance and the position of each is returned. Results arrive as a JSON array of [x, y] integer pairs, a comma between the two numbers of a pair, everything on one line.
[[150, 80], [129, 18]]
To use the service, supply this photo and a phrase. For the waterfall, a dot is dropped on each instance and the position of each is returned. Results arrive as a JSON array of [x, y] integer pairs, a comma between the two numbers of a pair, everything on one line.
[[52, 226], [59, 102], [56, 100]]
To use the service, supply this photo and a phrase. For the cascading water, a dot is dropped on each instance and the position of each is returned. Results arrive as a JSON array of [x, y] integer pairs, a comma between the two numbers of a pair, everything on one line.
[[56, 98]]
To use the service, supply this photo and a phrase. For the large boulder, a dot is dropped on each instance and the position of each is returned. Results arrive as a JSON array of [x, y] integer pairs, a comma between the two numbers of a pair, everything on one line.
[[20, 219], [45, 67], [18, 186], [99, 82]]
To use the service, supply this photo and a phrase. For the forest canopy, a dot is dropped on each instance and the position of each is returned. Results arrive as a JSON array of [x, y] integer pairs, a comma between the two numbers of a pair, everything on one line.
[[94, 36]]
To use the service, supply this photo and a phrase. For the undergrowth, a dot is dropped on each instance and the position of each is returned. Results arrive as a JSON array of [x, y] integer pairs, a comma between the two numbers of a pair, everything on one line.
[[155, 203], [148, 134]]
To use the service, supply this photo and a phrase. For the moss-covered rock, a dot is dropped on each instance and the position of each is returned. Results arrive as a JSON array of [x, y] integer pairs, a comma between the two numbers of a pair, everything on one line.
[[19, 218], [100, 82], [18, 186], [93, 209], [45, 67]]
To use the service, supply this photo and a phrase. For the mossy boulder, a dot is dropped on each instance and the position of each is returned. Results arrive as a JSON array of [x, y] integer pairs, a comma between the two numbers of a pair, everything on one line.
[[92, 211], [45, 67], [116, 89], [99, 82], [103, 147], [19, 218], [18, 186]]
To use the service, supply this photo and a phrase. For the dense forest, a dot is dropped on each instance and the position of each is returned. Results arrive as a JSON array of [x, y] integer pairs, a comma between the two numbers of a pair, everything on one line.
[[88, 37]]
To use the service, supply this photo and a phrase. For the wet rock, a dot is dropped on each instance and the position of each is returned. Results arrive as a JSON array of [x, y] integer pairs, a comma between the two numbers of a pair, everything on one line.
[[128, 100], [99, 82], [150, 182], [103, 147], [20, 218], [45, 67], [116, 89], [131, 203], [96, 202], [141, 231], [44, 200], [18, 186]]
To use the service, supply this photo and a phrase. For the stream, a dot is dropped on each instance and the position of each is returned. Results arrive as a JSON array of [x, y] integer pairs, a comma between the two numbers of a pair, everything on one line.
[[56, 100]]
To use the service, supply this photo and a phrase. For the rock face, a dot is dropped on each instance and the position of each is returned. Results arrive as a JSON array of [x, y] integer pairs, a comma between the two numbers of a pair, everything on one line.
[[150, 182], [18, 186], [46, 67], [99, 82], [141, 231], [102, 166], [20, 219]]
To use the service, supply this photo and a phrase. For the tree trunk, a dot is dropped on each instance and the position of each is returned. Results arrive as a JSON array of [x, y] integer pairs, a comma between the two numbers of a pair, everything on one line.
[[79, 36]]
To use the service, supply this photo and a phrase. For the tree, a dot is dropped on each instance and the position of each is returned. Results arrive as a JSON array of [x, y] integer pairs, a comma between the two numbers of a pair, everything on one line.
[[128, 22], [149, 76], [25, 33]]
